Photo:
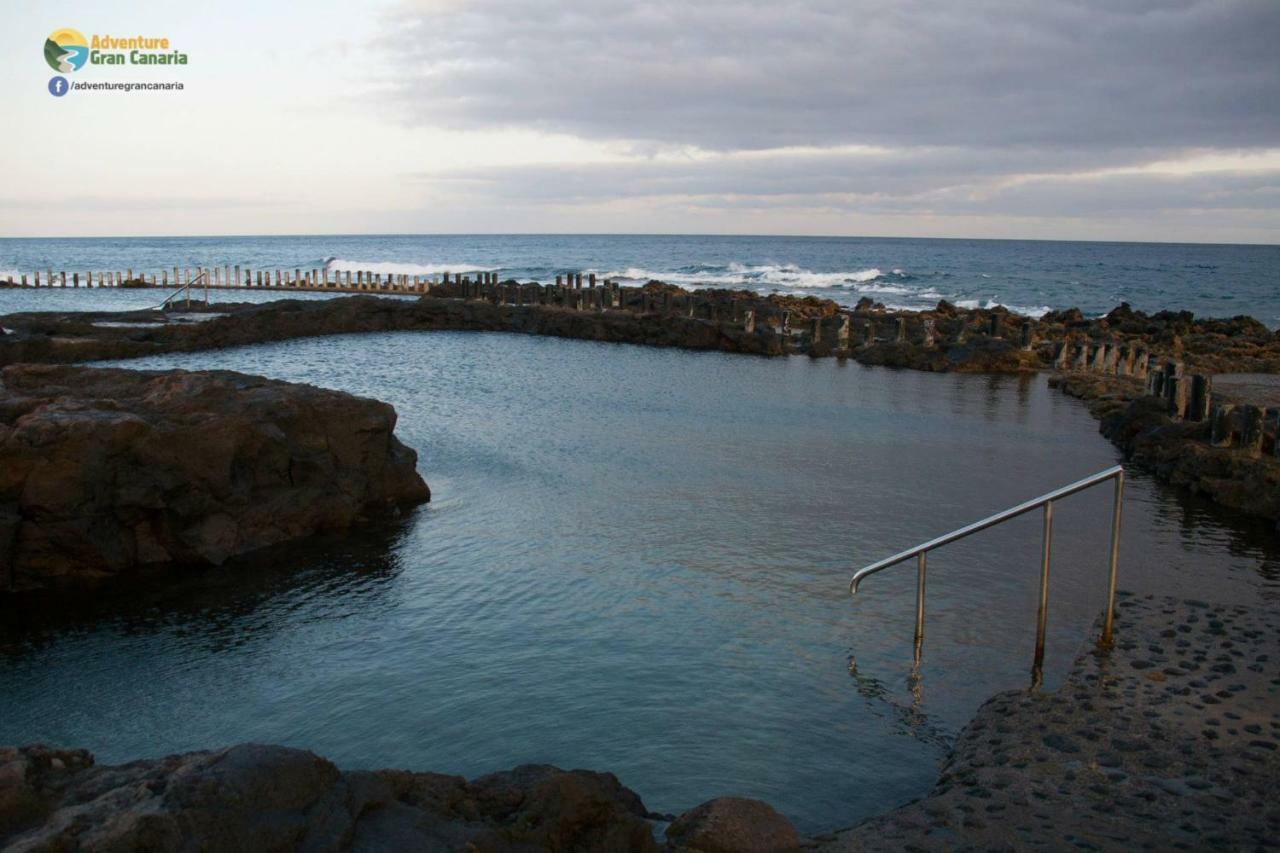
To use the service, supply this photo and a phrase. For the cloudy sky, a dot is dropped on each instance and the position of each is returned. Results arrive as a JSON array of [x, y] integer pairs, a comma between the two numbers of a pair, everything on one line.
[[1091, 119]]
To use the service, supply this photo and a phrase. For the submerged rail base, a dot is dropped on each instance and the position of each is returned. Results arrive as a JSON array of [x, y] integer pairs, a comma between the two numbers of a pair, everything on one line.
[[920, 552]]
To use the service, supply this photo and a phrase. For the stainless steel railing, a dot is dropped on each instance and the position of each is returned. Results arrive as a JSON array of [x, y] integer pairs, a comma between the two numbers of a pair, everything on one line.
[[186, 288], [920, 552]]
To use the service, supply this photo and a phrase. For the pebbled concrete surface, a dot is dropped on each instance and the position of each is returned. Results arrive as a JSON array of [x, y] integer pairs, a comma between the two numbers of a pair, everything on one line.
[[1169, 742]]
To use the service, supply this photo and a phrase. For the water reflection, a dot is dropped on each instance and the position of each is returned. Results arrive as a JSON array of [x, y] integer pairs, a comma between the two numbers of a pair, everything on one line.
[[326, 576]]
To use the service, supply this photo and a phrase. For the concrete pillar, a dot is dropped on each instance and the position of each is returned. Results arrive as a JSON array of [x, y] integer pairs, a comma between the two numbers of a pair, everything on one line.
[[786, 322], [816, 330], [1141, 364], [1220, 427], [1176, 395], [1272, 424], [559, 280], [75, 279], [929, 337], [186, 273], [1251, 430], [749, 321], [870, 334], [1063, 357], [1111, 360], [1099, 358], [446, 278], [1156, 383], [1081, 362], [842, 331], [62, 279], [993, 326], [1201, 388], [239, 280], [1026, 335], [577, 280], [591, 278], [901, 336]]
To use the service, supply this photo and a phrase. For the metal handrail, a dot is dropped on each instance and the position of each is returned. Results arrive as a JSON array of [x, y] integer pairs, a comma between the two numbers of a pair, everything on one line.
[[203, 274], [921, 551]]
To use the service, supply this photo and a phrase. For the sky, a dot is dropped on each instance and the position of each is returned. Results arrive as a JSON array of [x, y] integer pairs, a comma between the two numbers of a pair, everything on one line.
[[1074, 119]]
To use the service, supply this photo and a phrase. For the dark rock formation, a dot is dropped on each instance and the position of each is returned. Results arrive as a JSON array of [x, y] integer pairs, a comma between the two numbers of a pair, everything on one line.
[[990, 340], [73, 337], [733, 825], [104, 472], [1177, 451], [271, 798]]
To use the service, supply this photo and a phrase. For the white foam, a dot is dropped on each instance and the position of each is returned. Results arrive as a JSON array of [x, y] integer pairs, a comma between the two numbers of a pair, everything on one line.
[[988, 304], [740, 275], [395, 268]]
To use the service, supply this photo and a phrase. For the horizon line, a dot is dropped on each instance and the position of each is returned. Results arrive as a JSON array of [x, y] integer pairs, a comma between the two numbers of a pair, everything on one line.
[[639, 234]]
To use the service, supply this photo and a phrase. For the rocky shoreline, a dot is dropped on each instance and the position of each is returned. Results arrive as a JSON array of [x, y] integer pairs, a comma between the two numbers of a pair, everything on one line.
[[273, 798], [107, 472], [1208, 456]]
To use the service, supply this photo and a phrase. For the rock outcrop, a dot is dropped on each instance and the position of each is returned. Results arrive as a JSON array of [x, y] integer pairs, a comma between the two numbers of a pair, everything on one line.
[[1178, 452], [272, 798], [733, 825], [105, 472]]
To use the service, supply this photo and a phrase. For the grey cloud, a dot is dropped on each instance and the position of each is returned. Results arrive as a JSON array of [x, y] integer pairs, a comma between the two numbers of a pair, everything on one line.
[[1095, 75], [950, 182]]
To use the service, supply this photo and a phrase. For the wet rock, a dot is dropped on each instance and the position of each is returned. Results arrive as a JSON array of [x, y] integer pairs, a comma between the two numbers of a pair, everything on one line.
[[733, 825], [272, 798], [105, 472]]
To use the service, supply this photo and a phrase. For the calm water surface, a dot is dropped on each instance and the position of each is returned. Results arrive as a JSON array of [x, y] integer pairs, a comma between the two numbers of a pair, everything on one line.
[[636, 560]]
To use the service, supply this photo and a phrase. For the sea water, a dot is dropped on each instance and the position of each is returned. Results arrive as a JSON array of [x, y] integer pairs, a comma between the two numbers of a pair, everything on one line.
[[1027, 276]]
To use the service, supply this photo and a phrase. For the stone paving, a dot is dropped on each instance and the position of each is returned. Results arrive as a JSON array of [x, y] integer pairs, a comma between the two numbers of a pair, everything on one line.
[[1169, 742]]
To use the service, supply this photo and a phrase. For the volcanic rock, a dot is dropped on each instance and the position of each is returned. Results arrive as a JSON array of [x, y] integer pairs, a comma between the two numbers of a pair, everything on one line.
[[105, 471]]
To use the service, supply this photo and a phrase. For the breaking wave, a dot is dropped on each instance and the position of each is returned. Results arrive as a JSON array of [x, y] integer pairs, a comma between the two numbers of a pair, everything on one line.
[[735, 274], [395, 268], [843, 285], [988, 304]]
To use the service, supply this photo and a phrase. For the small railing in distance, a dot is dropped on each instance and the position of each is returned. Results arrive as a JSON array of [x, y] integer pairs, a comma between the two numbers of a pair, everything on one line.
[[921, 551], [186, 288]]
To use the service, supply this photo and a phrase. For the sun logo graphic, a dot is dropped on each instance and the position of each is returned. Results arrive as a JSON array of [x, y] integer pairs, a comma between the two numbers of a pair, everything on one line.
[[66, 50]]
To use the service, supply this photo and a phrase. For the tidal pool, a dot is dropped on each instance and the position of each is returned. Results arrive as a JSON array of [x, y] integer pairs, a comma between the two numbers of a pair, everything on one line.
[[636, 560]]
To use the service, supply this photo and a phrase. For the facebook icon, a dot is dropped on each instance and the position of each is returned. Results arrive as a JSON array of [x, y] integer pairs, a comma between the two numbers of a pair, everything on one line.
[[58, 86]]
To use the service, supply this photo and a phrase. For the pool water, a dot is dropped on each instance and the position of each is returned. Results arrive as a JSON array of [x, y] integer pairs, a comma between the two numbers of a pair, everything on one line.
[[635, 560]]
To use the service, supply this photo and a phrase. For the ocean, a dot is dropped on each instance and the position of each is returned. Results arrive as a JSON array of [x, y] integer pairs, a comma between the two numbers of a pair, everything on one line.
[[1027, 276]]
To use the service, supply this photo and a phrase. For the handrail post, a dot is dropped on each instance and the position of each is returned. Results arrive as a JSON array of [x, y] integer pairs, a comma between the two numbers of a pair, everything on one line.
[[1108, 621], [919, 640], [1042, 615]]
